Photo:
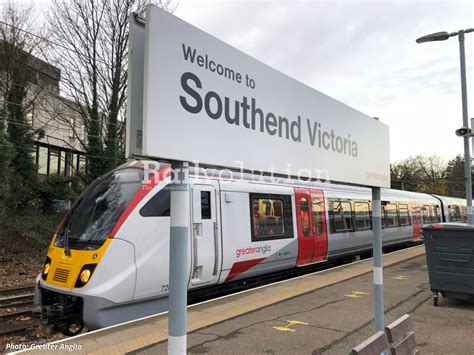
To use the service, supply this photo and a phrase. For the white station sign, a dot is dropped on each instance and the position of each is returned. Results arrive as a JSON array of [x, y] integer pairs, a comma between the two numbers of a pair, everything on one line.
[[207, 102]]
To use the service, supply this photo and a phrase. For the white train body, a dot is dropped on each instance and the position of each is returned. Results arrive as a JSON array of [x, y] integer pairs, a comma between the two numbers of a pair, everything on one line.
[[239, 229]]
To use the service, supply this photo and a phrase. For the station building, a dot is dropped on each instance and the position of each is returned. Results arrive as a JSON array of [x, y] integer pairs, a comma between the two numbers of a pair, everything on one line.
[[59, 127]]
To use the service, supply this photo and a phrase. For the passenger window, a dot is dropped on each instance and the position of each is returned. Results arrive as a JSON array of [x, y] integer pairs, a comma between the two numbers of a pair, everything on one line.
[[426, 214], [318, 219], [205, 204], [158, 206], [434, 214], [391, 217], [271, 217], [362, 215], [456, 214], [341, 216], [384, 212], [463, 214], [404, 215], [304, 216]]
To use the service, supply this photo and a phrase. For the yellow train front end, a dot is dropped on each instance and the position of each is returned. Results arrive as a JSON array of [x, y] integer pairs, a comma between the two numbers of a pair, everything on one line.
[[65, 272], [73, 269], [69, 288]]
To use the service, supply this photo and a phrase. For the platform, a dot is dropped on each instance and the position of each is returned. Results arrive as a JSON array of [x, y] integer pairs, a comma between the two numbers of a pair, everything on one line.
[[326, 312]]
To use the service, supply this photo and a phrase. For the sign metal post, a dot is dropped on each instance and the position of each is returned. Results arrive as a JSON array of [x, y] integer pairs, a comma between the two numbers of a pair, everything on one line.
[[377, 253], [179, 258]]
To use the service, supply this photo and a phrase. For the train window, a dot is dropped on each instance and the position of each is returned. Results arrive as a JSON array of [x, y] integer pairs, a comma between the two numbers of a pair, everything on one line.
[[434, 214], [384, 212], [426, 214], [158, 206], [304, 216], [391, 216], [463, 214], [205, 204], [416, 210], [99, 207], [318, 218], [362, 215], [271, 217], [454, 213], [340, 214], [404, 215]]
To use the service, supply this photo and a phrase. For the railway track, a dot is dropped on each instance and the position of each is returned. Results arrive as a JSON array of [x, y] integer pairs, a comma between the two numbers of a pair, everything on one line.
[[15, 310]]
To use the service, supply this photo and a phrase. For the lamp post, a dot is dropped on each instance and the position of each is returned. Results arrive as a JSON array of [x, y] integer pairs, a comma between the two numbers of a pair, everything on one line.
[[442, 36]]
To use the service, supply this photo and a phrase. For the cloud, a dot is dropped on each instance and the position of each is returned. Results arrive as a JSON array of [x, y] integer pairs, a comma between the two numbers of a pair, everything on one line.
[[362, 53]]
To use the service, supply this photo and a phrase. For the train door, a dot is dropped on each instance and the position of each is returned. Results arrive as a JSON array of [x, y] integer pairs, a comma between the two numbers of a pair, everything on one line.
[[416, 219], [319, 226], [205, 235], [304, 223]]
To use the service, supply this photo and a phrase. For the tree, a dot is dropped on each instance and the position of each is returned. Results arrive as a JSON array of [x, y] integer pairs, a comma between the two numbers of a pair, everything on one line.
[[420, 173], [455, 182], [91, 48], [18, 176]]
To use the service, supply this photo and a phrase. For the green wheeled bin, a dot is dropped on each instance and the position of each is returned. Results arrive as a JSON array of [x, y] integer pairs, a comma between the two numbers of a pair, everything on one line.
[[450, 259]]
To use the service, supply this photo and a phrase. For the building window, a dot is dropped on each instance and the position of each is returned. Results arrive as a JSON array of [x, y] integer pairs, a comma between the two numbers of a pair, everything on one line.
[[69, 164], [42, 160], [54, 161], [57, 161], [82, 163], [271, 217]]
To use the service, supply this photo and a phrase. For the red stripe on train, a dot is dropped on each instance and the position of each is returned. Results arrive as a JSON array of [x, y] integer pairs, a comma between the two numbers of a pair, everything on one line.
[[242, 266], [140, 195]]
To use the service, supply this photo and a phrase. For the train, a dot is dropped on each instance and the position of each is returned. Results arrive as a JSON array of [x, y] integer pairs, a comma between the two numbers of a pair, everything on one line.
[[108, 261]]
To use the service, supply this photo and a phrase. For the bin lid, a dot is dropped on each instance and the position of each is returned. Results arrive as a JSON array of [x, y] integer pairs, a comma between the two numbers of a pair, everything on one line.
[[449, 226]]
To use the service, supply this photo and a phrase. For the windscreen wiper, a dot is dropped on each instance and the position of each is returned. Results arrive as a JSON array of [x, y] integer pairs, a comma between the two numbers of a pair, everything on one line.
[[67, 249]]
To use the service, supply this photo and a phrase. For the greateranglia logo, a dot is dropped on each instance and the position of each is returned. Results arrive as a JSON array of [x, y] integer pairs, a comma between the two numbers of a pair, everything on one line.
[[253, 250]]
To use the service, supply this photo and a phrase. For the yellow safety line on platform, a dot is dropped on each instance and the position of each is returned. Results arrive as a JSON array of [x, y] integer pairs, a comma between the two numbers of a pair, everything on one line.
[[290, 323], [357, 294], [284, 329]]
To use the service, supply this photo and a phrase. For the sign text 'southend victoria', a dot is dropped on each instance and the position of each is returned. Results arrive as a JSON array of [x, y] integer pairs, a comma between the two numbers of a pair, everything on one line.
[[208, 102]]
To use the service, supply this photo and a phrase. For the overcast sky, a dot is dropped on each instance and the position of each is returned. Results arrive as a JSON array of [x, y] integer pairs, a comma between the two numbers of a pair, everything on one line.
[[363, 54]]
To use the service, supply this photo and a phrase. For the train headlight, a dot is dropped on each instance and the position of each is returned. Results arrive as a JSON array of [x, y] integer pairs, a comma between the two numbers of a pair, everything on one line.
[[46, 268], [85, 275]]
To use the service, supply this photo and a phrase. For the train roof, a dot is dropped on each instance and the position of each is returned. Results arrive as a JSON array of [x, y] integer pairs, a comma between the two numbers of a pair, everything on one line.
[[244, 177]]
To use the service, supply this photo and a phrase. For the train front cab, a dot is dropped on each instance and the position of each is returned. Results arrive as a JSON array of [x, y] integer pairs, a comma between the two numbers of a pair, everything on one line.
[[86, 268]]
